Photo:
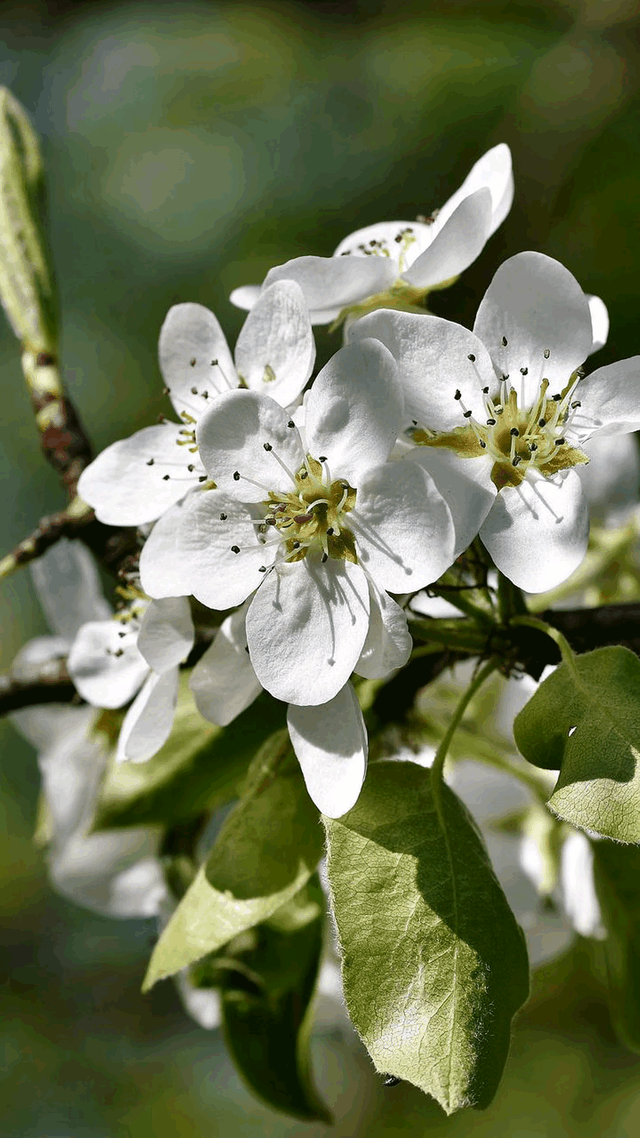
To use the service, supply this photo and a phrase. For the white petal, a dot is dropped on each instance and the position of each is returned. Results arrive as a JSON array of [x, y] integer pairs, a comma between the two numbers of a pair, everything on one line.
[[126, 489], [612, 476], [189, 551], [433, 363], [336, 282], [461, 239], [103, 678], [72, 765], [579, 896], [599, 323], [117, 874], [202, 1004], [395, 241], [306, 626], [388, 644], [223, 681], [537, 532], [166, 633], [403, 528], [191, 339], [537, 306], [275, 351], [353, 412], [232, 437], [330, 742], [245, 296], [148, 722], [466, 486], [68, 587], [493, 170], [610, 399]]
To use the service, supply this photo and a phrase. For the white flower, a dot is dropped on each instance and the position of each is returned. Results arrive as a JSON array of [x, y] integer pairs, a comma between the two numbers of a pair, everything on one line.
[[139, 650], [402, 259], [502, 413], [135, 480], [317, 530]]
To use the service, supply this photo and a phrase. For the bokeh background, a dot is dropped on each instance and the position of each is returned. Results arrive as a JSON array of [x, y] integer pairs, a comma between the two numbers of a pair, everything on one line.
[[189, 148]]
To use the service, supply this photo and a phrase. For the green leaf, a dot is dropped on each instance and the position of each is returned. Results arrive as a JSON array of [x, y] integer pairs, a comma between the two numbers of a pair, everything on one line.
[[200, 767], [616, 871], [267, 979], [585, 720], [434, 964], [266, 851]]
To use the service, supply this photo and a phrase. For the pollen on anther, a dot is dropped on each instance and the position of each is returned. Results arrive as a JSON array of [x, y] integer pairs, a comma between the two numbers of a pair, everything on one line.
[[542, 422], [576, 403], [458, 395], [322, 458], [485, 390], [236, 476], [546, 353], [471, 357], [267, 446], [491, 422], [467, 414], [504, 341], [514, 432], [223, 517], [191, 468], [559, 442], [165, 477], [194, 390], [235, 548], [214, 363], [524, 371], [291, 423], [505, 377], [262, 569], [482, 444], [202, 478]]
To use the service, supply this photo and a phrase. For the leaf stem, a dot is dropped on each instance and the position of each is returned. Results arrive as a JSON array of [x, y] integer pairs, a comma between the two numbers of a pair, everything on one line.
[[554, 634], [477, 681]]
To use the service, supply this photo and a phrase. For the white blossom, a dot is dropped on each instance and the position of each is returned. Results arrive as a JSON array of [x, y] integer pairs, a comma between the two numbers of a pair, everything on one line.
[[135, 480], [316, 529], [502, 413], [402, 260]]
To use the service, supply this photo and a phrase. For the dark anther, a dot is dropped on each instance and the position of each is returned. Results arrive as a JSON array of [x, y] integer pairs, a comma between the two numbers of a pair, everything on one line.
[[262, 569], [467, 414], [45, 359], [524, 371], [165, 477], [514, 432], [191, 468], [491, 422], [542, 422], [223, 517], [483, 445], [504, 341], [303, 474], [516, 460], [166, 390], [122, 634], [325, 557], [267, 446], [532, 447], [119, 652], [291, 423], [458, 395], [236, 476], [471, 357], [505, 377], [391, 1081], [205, 394], [559, 442], [398, 239], [162, 419], [556, 398], [269, 521], [576, 403], [546, 353], [235, 548], [150, 461], [296, 545], [194, 390], [485, 390], [214, 363], [192, 361], [330, 531], [202, 478], [322, 458]]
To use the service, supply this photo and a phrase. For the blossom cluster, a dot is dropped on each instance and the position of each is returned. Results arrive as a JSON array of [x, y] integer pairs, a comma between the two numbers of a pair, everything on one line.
[[306, 513]]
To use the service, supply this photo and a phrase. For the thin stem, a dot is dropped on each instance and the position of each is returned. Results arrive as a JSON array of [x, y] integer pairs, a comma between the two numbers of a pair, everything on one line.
[[477, 682], [554, 634], [510, 599], [458, 596]]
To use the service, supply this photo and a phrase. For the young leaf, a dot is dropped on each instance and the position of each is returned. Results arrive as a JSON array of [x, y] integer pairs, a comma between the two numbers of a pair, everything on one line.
[[267, 1021], [617, 880], [585, 720], [199, 767], [267, 849], [434, 964]]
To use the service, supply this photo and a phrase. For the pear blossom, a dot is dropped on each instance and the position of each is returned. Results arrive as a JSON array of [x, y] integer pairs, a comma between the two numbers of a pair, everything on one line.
[[139, 650], [394, 263], [314, 525], [502, 414], [135, 480]]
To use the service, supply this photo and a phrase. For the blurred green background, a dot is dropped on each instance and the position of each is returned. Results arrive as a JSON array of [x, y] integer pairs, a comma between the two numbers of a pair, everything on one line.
[[189, 148]]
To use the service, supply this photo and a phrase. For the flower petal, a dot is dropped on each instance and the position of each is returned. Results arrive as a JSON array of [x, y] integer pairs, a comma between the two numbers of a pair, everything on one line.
[[537, 532], [135, 480], [330, 742], [194, 353], [599, 323], [610, 400], [245, 296], [388, 644], [275, 351], [148, 722], [433, 363], [336, 282], [537, 306], [190, 551], [493, 171], [305, 628], [400, 242], [117, 874], [166, 633], [232, 437], [460, 240], [223, 681], [105, 664], [68, 586], [465, 485], [353, 412], [403, 528]]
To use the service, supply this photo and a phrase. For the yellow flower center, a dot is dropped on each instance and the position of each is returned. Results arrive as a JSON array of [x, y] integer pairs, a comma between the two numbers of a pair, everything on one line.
[[311, 515]]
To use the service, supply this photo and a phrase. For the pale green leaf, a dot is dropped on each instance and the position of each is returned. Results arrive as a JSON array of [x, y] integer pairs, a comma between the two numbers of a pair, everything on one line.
[[616, 871], [266, 851], [585, 720], [434, 964]]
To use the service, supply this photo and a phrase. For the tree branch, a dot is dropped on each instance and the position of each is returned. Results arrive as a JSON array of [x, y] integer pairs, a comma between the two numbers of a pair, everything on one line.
[[48, 683]]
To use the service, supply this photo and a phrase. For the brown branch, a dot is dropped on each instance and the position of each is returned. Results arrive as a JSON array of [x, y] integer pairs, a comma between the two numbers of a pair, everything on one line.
[[48, 683]]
